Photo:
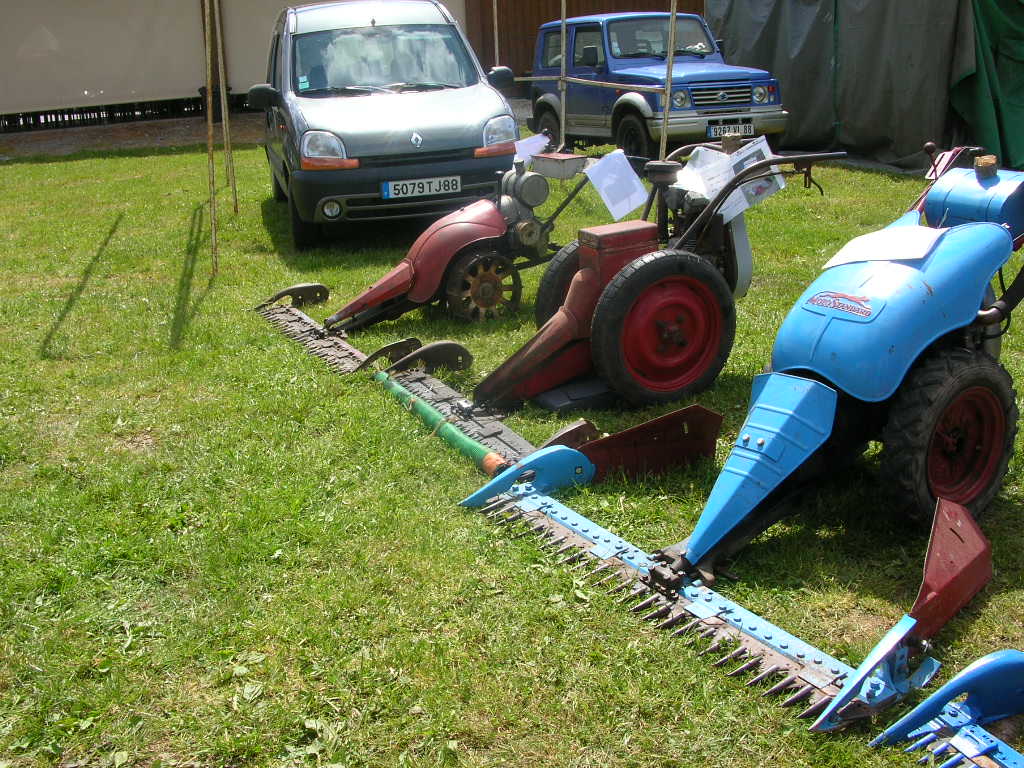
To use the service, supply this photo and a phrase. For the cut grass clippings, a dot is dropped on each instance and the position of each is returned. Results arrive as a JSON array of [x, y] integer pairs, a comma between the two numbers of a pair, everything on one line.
[[215, 552]]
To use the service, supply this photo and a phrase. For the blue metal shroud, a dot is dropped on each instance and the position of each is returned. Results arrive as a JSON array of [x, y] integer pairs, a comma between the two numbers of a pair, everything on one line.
[[952, 730], [789, 418], [861, 324]]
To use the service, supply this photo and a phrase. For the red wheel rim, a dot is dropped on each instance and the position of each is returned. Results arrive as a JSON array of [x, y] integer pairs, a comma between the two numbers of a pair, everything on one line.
[[672, 333], [967, 446]]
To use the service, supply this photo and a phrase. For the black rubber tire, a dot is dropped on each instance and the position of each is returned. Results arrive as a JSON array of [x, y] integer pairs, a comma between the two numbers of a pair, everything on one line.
[[662, 293], [279, 192], [632, 137], [923, 420], [305, 234], [554, 283], [547, 120], [469, 286]]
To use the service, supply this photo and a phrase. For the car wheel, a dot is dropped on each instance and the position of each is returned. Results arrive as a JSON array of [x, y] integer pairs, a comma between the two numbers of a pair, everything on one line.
[[305, 234], [663, 327], [279, 194], [950, 432], [554, 283], [548, 122], [631, 135], [481, 285]]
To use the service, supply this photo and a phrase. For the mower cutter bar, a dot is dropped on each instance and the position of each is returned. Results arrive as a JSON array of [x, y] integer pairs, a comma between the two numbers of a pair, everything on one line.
[[730, 636], [343, 358]]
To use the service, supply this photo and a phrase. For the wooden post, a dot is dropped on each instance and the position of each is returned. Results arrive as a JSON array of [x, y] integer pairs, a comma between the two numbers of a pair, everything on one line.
[[666, 99], [211, 170], [229, 158]]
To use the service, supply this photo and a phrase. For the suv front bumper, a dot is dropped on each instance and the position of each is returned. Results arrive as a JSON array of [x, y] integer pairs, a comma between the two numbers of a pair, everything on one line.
[[695, 126]]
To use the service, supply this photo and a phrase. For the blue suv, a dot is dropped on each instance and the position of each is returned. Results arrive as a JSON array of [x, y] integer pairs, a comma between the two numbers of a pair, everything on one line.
[[709, 97]]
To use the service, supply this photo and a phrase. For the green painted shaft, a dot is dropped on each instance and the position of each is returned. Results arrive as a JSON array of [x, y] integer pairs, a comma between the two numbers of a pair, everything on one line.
[[484, 458]]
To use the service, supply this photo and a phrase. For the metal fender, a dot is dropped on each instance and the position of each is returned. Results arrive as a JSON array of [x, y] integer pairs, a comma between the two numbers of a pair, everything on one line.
[[864, 321], [434, 249], [395, 283], [633, 100], [789, 419], [548, 100]]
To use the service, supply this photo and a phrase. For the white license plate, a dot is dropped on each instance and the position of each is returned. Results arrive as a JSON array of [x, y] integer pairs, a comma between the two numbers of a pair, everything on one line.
[[743, 129], [438, 185]]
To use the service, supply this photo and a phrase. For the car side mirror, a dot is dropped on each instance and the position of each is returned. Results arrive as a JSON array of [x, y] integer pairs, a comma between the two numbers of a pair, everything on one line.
[[501, 78], [589, 57], [264, 96]]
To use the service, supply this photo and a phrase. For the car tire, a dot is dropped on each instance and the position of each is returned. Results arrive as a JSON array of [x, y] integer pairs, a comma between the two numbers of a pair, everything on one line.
[[548, 121], [305, 234], [554, 283], [279, 194], [632, 137]]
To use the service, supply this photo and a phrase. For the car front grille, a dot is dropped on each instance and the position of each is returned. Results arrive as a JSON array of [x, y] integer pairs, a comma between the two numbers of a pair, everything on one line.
[[415, 158], [719, 97]]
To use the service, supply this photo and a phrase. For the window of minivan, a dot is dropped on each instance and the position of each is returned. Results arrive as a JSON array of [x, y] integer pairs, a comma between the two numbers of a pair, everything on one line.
[[400, 57], [647, 37]]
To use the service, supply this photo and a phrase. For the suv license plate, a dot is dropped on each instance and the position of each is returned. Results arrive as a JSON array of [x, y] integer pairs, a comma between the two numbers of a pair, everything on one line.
[[743, 129], [438, 185]]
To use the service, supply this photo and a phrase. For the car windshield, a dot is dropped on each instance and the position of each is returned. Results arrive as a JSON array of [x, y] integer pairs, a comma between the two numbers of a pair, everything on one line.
[[648, 38], [364, 60]]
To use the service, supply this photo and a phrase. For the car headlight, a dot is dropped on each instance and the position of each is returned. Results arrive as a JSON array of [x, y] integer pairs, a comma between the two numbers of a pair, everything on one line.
[[681, 99], [323, 150], [761, 94], [500, 129]]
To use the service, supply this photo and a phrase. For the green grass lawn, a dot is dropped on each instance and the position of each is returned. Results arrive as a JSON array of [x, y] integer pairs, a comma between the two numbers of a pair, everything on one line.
[[216, 552]]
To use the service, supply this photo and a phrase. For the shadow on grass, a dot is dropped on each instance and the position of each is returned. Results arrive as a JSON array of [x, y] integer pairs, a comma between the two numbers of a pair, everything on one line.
[[185, 308], [365, 243], [46, 348]]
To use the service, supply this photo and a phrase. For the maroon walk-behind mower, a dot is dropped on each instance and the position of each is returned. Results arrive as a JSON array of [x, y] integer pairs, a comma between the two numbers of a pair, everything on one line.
[[653, 325], [468, 261]]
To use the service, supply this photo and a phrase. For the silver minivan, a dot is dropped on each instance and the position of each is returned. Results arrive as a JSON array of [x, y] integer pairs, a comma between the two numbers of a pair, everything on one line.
[[378, 109]]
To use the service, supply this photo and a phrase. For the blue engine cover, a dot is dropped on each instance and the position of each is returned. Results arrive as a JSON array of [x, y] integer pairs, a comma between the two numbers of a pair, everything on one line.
[[862, 324]]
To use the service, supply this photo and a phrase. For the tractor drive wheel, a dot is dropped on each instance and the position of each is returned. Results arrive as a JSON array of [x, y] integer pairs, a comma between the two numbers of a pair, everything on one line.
[[481, 285], [631, 135], [663, 327], [950, 432], [554, 283]]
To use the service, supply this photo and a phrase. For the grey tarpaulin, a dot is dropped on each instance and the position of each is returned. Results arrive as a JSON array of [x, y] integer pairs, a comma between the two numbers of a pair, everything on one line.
[[887, 90]]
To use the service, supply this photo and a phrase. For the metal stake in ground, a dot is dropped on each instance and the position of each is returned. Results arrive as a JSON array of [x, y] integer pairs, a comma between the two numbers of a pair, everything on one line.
[[209, 132], [229, 158]]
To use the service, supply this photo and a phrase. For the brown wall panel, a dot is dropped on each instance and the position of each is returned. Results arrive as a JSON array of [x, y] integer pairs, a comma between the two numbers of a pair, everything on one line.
[[518, 21]]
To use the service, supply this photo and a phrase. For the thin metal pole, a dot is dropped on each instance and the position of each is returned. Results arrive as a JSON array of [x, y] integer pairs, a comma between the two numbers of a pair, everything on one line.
[[562, 84], [666, 99], [497, 57], [229, 158], [209, 133]]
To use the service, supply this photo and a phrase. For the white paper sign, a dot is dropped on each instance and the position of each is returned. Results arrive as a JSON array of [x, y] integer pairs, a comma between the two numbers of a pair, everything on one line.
[[713, 170], [530, 146], [617, 184]]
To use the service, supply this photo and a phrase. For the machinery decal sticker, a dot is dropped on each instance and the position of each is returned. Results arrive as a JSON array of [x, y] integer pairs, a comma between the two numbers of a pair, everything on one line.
[[843, 302]]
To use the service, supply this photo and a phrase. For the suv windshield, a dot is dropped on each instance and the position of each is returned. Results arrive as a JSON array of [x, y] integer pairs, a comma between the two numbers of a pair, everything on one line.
[[648, 38], [362, 60]]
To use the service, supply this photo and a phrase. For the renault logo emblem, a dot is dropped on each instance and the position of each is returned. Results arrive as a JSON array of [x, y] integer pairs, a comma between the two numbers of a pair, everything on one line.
[[416, 139], [722, 96]]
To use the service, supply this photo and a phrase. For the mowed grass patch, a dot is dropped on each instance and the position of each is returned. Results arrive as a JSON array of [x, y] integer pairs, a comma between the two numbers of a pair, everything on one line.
[[216, 552]]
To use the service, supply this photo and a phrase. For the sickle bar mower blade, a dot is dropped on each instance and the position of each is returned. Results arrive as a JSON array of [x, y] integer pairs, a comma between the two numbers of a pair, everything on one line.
[[958, 564], [947, 726]]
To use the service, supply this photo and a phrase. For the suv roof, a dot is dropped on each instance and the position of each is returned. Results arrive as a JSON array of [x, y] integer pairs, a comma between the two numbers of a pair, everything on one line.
[[339, 14], [603, 17]]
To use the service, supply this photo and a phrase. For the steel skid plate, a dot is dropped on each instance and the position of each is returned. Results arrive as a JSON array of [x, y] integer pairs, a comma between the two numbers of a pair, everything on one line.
[[343, 358]]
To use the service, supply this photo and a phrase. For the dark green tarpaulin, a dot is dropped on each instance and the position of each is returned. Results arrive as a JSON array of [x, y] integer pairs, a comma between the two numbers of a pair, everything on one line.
[[875, 76], [990, 95]]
